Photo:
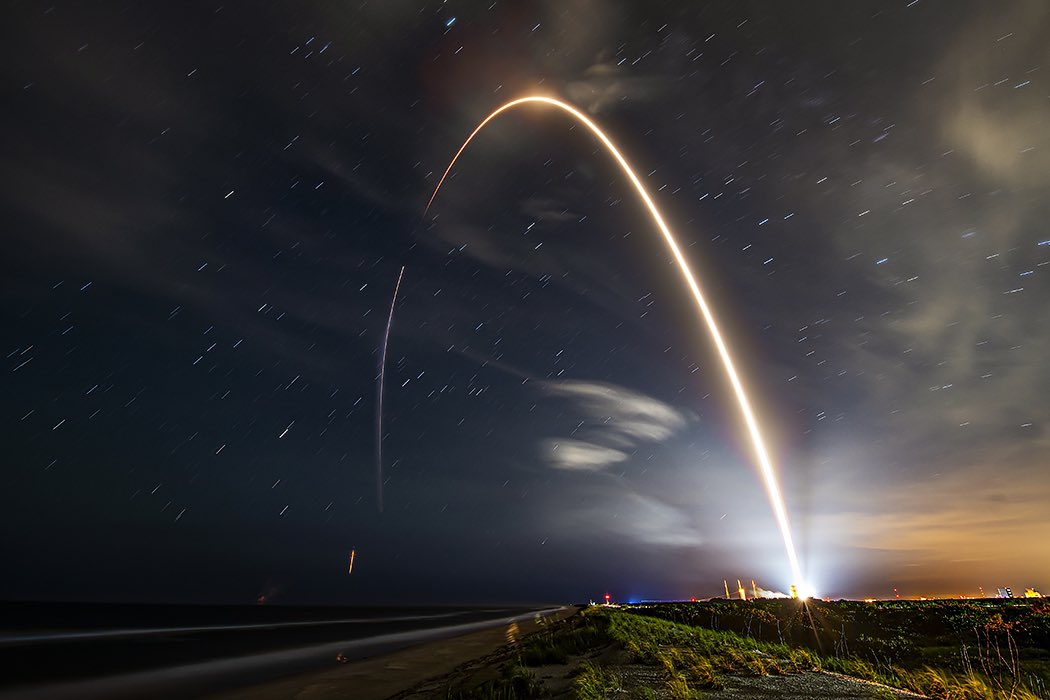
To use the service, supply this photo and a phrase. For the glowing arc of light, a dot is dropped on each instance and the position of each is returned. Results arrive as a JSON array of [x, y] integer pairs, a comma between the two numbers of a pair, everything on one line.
[[379, 395], [765, 464]]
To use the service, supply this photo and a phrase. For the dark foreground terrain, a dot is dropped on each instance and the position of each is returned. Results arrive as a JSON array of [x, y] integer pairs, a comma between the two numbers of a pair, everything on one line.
[[950, 650]]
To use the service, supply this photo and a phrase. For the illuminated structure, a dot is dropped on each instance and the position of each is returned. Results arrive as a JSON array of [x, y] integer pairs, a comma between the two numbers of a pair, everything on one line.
[[1032, 593], [1006, 592], [764, 462]]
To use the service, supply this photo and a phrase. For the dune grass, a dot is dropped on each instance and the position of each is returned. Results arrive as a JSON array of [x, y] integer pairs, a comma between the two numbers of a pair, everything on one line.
[[695, 658], [515, 682], [594, 682], [685, 661], [557, 645]]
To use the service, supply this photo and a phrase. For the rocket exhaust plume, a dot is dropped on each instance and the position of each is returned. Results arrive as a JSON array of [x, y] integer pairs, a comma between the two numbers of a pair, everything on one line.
[[764, 463], [379, 394]]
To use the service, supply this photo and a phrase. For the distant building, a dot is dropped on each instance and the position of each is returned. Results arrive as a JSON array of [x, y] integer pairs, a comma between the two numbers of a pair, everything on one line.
[[1032, 593], [1006, 592]]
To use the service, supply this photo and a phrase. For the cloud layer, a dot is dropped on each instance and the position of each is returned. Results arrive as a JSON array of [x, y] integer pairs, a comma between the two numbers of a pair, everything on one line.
[[614, 420]]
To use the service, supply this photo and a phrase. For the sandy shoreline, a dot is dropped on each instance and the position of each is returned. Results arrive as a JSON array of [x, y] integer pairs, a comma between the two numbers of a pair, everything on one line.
[[393, 674]]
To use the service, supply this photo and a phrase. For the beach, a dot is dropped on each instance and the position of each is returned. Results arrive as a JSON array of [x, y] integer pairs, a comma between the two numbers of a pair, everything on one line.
[[416, 669]]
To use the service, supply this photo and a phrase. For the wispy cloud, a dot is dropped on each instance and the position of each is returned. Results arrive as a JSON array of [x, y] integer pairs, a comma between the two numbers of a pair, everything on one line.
[[604, 85], [579, 455], [628, 413], [614, 507], [612, 420], [548, 209]]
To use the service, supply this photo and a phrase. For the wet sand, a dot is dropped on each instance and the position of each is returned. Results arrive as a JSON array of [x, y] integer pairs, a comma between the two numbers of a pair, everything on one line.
[[392, 674]]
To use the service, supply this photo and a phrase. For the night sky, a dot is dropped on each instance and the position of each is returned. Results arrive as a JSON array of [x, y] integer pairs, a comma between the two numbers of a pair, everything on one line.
[[206, 208]]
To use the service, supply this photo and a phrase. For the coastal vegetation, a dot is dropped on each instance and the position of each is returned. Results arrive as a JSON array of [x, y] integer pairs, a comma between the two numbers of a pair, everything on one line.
[[947, 650]]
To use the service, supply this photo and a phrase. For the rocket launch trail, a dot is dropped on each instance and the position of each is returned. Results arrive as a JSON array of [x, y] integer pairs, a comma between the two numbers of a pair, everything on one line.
[[764, 463], [379, 394]]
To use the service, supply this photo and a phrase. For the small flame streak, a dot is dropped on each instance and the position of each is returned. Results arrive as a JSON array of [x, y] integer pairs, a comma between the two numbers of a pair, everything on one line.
[[765, 464], [350, 569]]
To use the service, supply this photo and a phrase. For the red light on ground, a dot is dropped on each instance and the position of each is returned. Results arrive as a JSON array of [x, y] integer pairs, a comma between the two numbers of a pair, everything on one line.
[[606, 597]]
